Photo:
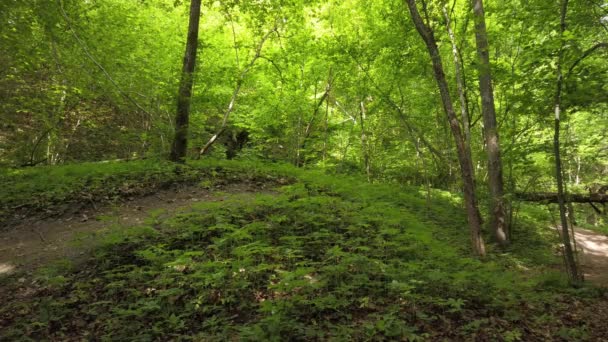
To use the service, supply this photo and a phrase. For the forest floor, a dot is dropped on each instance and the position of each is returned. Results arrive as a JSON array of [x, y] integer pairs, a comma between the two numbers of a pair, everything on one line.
[[245, 251], [35, 243], [27, 246]]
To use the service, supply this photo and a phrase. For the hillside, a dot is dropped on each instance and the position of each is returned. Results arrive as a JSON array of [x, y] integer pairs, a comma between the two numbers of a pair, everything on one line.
[[271, 252]]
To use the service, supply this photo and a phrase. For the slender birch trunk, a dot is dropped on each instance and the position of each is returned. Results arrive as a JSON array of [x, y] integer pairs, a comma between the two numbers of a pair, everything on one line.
[[464, 158], [571, 267]]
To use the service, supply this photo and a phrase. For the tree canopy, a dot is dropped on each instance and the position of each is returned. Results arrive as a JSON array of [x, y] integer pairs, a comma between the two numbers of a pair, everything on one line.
[[94, 80]]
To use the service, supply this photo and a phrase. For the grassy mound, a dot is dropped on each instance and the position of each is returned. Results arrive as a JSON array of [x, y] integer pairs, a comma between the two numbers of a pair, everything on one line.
[[49, 191], [325, 258]]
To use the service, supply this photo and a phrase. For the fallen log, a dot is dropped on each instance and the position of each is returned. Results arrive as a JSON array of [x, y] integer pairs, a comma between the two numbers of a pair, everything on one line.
[[551, 197]]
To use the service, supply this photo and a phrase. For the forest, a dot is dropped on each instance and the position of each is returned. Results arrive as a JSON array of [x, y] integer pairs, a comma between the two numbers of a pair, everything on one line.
[[303, 170]]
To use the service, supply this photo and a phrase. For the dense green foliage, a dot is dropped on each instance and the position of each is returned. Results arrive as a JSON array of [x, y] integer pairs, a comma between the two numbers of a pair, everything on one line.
[[58, 105], [335, 105], [324, 257], [97, 80]]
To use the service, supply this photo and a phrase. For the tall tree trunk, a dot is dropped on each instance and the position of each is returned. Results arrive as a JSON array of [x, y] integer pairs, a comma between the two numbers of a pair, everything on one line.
[[571, 266], [464, 158], [498, 222], [364, 143], [462, 96], [182, 117], [325, 132]]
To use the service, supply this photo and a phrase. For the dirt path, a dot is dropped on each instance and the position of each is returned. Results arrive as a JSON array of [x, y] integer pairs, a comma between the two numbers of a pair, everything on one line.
[[594, 256], [25, 247]]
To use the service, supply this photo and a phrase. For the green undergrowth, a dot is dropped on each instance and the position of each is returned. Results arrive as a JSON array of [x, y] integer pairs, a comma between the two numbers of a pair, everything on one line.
[[52, 190], [602, 229], [325, 258], [592, 220], [46, 188]]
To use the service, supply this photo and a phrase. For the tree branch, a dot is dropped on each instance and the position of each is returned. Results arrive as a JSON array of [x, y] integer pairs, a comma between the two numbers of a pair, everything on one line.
[[103, 70], [237, 89], [551, 197], [585, 55]]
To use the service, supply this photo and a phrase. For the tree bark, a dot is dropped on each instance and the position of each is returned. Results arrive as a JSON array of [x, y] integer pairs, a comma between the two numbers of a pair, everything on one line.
[[498, 222], [464, 158], [184, 97], [464, 110], [364, 143], [571, 266], [325, 131]]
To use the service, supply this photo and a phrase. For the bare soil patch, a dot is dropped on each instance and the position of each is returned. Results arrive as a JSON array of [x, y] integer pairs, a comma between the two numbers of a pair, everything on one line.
[[594, 255]]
